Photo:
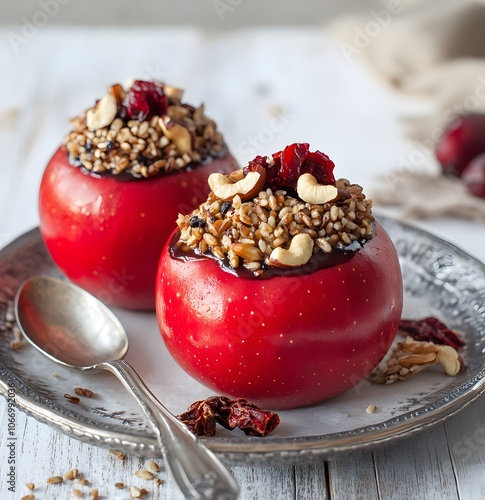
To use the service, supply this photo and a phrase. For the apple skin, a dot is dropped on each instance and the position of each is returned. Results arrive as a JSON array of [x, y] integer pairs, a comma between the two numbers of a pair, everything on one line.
[[463, 140], [474, 176], [107, 234], [286, 341]]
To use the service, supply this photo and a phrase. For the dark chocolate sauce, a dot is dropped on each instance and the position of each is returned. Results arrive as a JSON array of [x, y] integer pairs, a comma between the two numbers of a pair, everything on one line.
[[318, 261], [128, 175]]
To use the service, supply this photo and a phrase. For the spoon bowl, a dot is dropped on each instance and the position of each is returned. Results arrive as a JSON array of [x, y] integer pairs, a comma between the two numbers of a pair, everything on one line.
[[70, 327], [75, 329]]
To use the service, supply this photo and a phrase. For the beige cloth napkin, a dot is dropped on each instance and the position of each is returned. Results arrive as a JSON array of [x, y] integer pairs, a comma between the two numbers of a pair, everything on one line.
[[434, 49], [427, 196], [429, 48]]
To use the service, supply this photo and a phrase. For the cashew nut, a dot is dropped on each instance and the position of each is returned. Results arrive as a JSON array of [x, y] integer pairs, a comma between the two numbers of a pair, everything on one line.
[[178, 134], [173, 92], [311, 191], [248, 187], [299, 253], [449, 359], [236, 175], [102, 114]]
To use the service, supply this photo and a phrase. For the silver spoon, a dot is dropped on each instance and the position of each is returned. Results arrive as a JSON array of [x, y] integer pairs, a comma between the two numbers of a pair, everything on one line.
[[75, 329]]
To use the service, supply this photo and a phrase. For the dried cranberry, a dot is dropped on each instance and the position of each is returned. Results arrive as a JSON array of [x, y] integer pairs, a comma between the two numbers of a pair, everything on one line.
[[196, 222], [320, 166], [144, 100], [289, 164], [142, 160], [474, 176], [250, 418], [431, 330], [201, 417], [225, 207], [258, 162]]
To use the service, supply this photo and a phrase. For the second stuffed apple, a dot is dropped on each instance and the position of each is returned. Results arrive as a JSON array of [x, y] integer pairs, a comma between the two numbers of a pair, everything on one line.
[[110, 195]]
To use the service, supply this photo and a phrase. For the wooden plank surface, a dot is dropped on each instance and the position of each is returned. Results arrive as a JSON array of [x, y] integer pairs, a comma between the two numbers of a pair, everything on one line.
[[444, 462], [465, 436], [354, 477], [419, 466]]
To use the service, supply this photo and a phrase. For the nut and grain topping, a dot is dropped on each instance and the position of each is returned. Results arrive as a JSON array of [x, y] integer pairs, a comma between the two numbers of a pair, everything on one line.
[[143, 131], [412, 356], [259, 232]]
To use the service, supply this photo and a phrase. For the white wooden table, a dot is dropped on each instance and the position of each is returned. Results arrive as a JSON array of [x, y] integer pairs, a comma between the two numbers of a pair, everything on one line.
[[246, 80]]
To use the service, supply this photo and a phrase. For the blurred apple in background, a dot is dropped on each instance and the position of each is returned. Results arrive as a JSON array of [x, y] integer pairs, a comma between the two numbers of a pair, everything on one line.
[[474, 176], [463, 139]]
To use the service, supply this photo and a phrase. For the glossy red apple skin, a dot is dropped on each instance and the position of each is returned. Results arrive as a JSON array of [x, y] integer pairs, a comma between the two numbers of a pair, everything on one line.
[[106, 234], [474, 176], [286, 341], [463, 140]]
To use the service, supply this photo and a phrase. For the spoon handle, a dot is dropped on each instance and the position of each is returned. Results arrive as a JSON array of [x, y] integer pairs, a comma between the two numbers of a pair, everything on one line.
[[197, 471]]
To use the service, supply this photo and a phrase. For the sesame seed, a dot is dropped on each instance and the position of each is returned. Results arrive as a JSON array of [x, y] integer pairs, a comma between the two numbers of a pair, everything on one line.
[[118, 454], [135, 492], [55, 480], [152, 466], [72, 399], [84, 392], [72, 474], [144, 474]]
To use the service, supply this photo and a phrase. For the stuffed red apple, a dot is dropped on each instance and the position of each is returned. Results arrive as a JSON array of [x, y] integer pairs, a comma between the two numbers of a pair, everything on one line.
[[110, 194], [281, 288]]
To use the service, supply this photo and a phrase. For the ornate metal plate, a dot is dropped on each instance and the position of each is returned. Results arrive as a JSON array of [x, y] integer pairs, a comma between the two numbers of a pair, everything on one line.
[[439, 279]]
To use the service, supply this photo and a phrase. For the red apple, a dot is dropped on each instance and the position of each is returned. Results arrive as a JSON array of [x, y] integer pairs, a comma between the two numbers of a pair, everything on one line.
[[285, 341], [462, 140], [474, 176], [106, 234]]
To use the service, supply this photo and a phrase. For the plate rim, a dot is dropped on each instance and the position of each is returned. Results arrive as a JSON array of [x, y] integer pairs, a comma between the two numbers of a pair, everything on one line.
[[271, 450]]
